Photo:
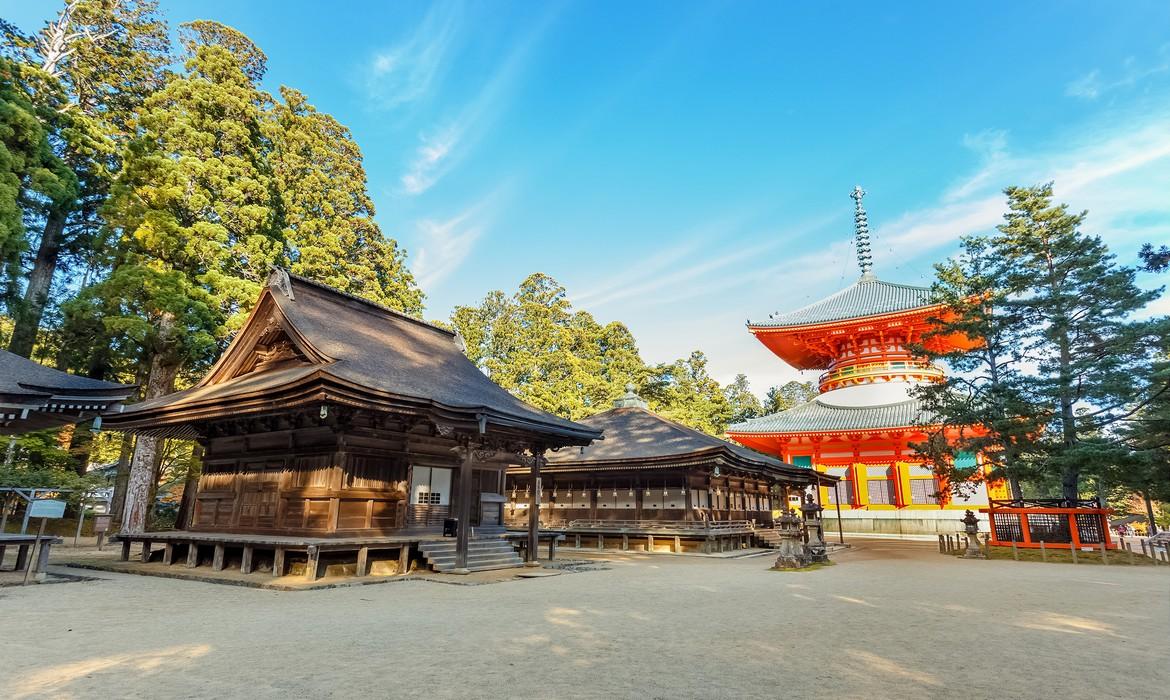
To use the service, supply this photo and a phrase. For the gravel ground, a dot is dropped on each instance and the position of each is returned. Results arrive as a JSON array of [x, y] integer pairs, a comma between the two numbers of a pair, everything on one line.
[[892, 619]]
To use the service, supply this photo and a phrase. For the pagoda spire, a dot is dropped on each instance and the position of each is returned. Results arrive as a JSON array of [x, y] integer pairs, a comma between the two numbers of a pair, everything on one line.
[[861, 236]]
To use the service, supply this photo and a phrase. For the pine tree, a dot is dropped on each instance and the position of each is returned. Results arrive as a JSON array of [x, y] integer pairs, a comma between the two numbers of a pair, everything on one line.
[[685, 392], [983, 405], [1091, 355], [328, 214]]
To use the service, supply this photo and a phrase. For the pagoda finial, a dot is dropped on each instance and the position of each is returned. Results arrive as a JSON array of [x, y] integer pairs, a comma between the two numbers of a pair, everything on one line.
[[861, 227]]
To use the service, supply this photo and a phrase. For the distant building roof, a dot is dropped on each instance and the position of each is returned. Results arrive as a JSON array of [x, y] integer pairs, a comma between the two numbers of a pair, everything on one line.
[[638, 438], [867, 296], [34, 397], [307, 343], [817, 417]]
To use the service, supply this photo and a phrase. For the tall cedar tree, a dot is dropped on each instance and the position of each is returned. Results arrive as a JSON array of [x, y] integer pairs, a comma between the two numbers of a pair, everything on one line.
[[198, 229], [95, 64], [31, 173], [983, 406], [329, 225]]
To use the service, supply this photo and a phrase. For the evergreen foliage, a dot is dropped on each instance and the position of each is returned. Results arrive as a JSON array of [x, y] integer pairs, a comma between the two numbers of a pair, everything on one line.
[[1064, 362], [562, 360]]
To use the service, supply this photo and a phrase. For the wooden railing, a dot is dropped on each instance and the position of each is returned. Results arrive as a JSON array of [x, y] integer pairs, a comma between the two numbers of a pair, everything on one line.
[[877, 369], [713, 527]]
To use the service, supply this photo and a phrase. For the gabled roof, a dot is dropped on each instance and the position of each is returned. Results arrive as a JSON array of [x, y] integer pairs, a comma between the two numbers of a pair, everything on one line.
[[817, 417], [867, 296], [309, 343], [636, 437], [33, 396]]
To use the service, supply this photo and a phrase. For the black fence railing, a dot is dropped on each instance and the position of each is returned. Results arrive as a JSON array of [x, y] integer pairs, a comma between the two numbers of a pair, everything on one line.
[[1045, 503]]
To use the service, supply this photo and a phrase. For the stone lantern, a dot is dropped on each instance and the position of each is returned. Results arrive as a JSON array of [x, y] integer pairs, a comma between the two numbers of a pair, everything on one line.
[[792, 551], [971, 527], [814, 530]]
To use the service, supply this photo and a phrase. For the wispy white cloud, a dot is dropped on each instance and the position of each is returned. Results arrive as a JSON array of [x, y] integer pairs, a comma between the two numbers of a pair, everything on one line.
[[1115, 170], [442, 148], [409, 70], [443, 244], [1094, 84], [429, 161]]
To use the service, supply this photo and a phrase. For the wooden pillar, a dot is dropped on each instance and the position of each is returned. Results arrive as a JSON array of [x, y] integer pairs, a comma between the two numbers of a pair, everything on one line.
[[649, 543], [363, 561], [601, 541], [625, 543], [404, 558], [463, 531], [577, 541], [534, 505], [552, 548], [313, 564], [22, 557], [246, 560], [145, 556], [125, 550], [677, 544], [192, 555], [168, 553], [278, 562], [217, 558]]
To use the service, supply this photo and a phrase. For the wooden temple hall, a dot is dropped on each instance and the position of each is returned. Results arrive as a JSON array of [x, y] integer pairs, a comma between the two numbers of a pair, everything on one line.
[[655, 485], [339, 432]]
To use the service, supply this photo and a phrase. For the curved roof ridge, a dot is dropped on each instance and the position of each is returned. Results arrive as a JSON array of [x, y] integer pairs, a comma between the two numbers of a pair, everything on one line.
[[367, 302]]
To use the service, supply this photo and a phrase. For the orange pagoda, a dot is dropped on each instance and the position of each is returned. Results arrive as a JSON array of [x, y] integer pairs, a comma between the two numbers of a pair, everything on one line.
[[861, 425]]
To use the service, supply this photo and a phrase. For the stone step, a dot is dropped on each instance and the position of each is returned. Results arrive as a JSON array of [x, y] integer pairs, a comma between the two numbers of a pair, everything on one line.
[[474, 557], [439, 551]]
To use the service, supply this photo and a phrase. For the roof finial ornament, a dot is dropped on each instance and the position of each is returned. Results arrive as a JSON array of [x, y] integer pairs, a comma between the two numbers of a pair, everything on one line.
[[861, 240], [279, 280], [630, 399]]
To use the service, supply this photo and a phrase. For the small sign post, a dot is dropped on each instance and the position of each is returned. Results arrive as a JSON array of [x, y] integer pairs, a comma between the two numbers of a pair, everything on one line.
[[101, 524], [43, 508]]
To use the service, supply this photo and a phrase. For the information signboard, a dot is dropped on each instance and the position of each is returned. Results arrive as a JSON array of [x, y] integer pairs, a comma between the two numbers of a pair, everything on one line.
[[46, 508]]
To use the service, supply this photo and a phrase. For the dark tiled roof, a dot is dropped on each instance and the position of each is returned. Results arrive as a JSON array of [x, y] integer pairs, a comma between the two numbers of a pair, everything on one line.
[[33, 396], [868, 296], [815, 416], [381, 352], [636, 435]]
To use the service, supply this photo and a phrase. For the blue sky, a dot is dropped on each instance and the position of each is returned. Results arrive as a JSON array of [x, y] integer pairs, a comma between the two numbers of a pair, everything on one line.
[[685, 166]]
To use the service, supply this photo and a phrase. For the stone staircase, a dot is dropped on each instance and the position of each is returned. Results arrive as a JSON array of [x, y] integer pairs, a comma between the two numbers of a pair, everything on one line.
[[769, 538], [482, 555]]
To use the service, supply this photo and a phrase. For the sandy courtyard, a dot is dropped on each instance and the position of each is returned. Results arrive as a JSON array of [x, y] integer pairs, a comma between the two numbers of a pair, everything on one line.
[[891, 620]]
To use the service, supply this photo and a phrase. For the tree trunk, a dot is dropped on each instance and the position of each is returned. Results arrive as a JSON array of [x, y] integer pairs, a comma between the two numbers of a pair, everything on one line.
[[147, 448], [121, 477], [1014, 485], [40, 281], [190, 487], [1153, 529]]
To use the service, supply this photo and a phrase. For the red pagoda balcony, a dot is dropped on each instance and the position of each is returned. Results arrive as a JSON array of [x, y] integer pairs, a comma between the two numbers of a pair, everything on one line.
[[870, 372]]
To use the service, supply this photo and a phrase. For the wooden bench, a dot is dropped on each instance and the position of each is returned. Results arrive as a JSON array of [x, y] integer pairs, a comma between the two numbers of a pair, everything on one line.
[[521, 539], [24, 543]]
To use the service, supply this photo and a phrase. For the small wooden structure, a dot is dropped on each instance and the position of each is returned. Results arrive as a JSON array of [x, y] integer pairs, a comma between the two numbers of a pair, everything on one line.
[[657, 485], [1058, 523], [334, 425], [35, 397]]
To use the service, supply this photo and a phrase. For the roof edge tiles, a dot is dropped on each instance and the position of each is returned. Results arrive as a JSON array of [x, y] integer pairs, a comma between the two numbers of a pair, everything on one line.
[[817, 417], [866, 297]]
